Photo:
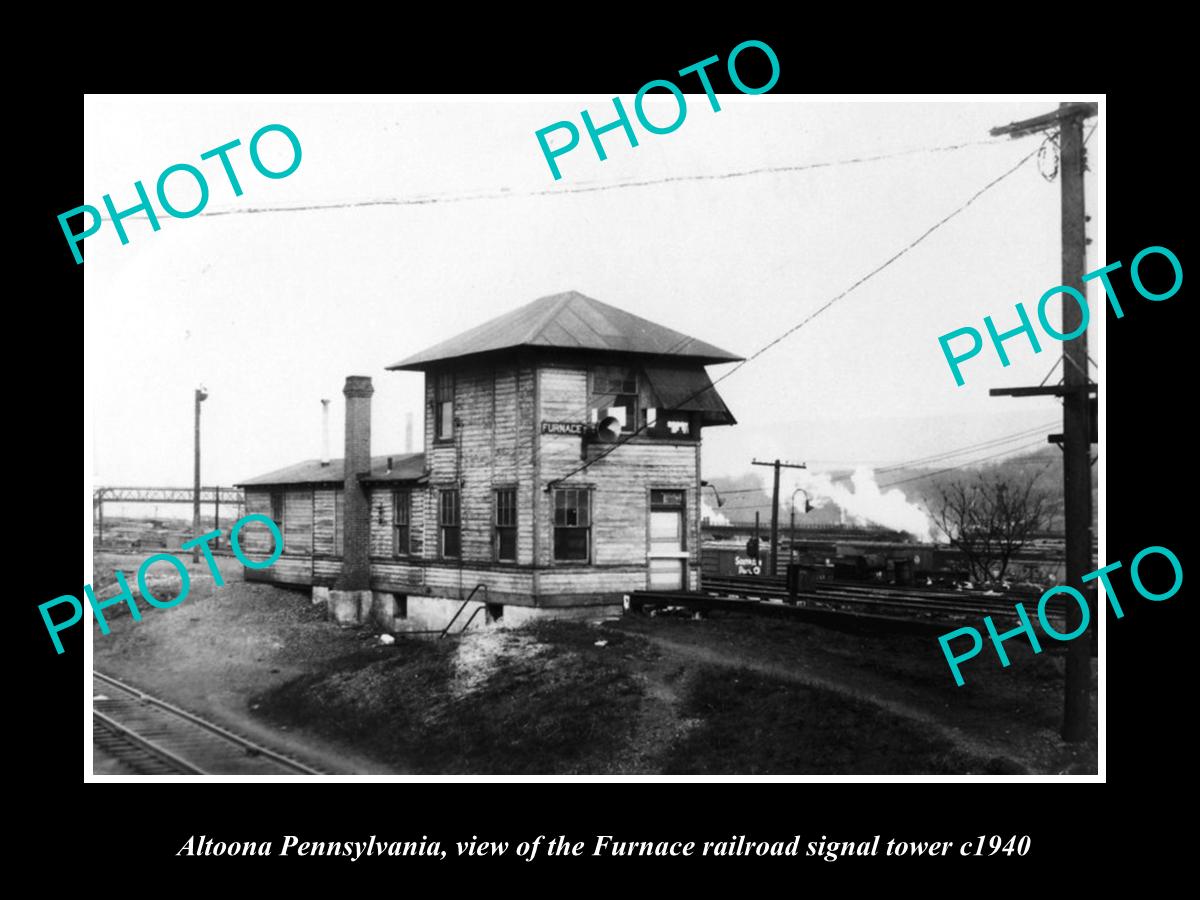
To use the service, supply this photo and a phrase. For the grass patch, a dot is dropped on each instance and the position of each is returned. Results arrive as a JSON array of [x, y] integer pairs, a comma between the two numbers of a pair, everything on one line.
[[756, 725]]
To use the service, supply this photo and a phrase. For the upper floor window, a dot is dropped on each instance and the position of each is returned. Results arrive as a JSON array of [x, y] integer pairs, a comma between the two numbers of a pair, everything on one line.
[[615, 393], [443, 404], [670, 423]]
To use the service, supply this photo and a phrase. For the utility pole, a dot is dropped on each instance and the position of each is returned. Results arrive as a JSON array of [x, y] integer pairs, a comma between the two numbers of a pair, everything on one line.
[[201, 396], [775, 507], [1076, 387], [792, 533], [99, 503]]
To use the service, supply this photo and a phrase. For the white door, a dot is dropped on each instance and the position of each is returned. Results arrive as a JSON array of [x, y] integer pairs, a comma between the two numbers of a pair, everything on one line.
[[668, 559]]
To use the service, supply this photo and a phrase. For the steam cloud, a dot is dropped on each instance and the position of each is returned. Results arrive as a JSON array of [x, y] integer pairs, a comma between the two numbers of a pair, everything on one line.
[[866, 503], [714, 517]]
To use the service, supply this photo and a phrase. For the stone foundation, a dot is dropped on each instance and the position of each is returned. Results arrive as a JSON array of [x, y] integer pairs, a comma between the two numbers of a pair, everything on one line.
[[348, 607], [398, 613], [520, 615]]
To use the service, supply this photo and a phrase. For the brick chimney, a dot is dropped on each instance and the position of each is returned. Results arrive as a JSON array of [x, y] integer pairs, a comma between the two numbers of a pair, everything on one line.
[[356, 569]]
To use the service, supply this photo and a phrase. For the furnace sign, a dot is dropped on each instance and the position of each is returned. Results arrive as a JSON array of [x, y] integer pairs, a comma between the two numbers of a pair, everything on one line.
[[576, 428]]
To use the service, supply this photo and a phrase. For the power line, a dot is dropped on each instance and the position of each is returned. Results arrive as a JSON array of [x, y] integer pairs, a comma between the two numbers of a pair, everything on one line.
[[684, 339], [985, 445], [979, 193], [505, 194], [969, 462], [982, 445], [907, 464]]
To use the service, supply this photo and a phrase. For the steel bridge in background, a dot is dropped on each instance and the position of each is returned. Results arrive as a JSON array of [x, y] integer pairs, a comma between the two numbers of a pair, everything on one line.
[[232, 497]]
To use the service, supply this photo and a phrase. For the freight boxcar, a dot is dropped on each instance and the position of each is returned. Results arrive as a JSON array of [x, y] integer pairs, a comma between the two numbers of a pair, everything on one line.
[[724, 559]]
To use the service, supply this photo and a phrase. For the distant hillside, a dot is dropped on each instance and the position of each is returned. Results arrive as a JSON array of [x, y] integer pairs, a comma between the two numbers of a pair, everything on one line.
[[744, 494]]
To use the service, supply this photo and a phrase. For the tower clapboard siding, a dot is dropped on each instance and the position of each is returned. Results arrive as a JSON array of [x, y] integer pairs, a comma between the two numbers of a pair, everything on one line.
[[530, 390]]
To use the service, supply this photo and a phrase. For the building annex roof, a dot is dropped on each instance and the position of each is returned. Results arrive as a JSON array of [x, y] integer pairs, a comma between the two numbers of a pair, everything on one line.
[[404, 467]]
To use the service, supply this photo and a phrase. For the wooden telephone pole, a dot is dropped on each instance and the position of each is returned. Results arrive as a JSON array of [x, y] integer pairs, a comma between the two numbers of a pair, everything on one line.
[[1079, 426], [775, 508], [201, 396]]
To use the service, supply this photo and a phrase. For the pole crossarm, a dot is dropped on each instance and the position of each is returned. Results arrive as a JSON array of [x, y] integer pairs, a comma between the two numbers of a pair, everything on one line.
[[1054, 390], [1047, 120]]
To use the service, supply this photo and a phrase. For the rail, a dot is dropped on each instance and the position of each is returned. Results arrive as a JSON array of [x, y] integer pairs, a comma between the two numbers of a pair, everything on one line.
[[918, 603], [178, 763], [248, 747], [470, 619], [817, 615]]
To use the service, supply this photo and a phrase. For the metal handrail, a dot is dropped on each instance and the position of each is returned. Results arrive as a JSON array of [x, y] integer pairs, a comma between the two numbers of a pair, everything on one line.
[[454, 618], [471, 619]]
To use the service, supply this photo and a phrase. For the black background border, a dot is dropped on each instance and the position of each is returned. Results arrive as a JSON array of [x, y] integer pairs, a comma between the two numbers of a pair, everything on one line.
[[1145, 391]]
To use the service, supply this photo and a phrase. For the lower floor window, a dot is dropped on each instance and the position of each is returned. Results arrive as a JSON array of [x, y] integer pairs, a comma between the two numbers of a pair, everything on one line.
[[401, 511], [339, 521], [572, 524], [506, 525], [449, 524]]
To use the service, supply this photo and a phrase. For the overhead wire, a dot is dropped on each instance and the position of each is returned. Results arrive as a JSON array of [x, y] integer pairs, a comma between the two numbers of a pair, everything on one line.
[[981, 445], [685, 339], [996, 442], [506, 194], [786, 334], [969, 462], [973, 448], [923, 460]]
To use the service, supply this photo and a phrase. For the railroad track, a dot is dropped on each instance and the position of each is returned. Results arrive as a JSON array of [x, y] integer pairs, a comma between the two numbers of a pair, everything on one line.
[[149, 736], [918, 603]]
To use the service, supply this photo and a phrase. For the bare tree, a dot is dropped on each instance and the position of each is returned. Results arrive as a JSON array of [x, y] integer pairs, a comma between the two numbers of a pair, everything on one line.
[[990, 518]]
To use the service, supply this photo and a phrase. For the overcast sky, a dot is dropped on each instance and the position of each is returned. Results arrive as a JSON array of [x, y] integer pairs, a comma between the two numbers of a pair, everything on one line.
[[271, 310]]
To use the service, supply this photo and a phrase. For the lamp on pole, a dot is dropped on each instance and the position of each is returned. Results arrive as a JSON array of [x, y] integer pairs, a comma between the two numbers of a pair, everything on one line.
[[201, 396], [808, 507], [709, 484]]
